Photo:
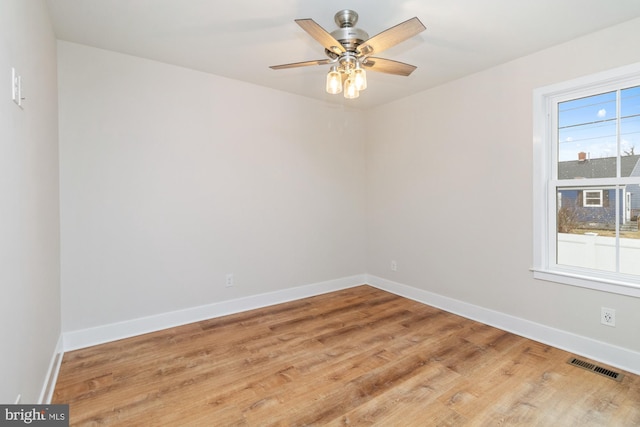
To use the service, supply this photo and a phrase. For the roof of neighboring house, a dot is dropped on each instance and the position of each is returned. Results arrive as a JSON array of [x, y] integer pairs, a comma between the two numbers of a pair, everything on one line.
[[598, 168]]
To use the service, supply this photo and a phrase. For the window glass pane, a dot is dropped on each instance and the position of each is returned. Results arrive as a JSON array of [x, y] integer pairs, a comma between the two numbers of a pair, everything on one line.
[[630, 131], [630, 249], [587, 137], [586, 227]]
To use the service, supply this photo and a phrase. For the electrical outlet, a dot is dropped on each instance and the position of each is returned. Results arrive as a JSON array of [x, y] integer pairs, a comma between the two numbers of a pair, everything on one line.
[[394, 266], [229, 280], [607, 316]]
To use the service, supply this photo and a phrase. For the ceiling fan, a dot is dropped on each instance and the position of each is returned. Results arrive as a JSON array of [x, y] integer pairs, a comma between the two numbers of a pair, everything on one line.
[[349, 50]]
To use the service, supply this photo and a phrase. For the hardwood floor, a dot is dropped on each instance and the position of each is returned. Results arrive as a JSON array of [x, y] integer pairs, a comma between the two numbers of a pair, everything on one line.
[[355, 357]]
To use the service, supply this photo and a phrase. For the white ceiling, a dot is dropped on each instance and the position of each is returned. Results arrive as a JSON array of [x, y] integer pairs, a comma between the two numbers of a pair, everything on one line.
[[240, 39]]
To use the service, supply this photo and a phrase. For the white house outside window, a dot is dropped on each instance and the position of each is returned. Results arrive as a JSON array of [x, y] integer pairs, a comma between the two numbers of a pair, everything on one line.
[[587, 181]]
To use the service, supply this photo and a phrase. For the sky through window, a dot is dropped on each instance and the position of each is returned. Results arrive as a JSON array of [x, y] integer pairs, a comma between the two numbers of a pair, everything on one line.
[[589, 125]]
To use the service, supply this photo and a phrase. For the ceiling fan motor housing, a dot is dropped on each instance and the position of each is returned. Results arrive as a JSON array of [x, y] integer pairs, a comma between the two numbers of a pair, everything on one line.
[[348, 35]]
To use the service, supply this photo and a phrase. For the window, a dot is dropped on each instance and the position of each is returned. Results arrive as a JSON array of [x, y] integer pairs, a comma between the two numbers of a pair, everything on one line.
[[592, 198], [587, 182]]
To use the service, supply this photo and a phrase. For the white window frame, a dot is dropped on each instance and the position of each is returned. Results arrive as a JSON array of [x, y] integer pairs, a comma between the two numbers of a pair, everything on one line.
[[591, 205], [545, 181]]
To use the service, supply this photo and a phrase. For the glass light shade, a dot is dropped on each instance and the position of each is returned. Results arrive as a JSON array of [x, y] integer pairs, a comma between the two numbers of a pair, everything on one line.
[[334, 81], [350, 90], [359, 78]]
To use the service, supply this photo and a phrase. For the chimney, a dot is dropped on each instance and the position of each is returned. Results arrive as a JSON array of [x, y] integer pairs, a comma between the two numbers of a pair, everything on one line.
[[582, 156]]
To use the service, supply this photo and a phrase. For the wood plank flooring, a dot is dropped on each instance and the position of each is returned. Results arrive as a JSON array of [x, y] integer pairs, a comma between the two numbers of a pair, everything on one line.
[[356, 357]]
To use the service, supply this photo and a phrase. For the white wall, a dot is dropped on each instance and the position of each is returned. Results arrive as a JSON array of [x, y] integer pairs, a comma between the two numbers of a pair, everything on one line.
[[172, 178], [450, 169], [29, 235]]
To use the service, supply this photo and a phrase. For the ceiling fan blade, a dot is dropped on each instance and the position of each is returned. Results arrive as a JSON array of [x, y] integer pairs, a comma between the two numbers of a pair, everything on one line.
[[392, 36], [321, 35], [301, 64], [388, 66]]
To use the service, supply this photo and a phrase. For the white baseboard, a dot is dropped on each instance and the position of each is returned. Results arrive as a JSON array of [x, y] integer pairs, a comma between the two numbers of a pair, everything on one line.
[[619, 357], [74, 340], [52, 374]]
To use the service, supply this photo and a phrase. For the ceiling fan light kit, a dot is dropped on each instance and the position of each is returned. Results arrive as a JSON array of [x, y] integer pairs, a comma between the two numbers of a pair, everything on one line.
[[350, 89], [359, 77], [334, 81], [349, 50]]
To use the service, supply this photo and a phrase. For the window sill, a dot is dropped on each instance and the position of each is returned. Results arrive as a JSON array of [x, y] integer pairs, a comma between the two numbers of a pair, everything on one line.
[[589, 282]]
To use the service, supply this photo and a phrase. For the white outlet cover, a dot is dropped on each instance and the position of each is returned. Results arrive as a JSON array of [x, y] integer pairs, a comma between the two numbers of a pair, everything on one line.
[[229, 280], [608, 316]]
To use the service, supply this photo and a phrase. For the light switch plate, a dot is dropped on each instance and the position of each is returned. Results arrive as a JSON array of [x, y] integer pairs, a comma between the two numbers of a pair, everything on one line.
[[16, 87]]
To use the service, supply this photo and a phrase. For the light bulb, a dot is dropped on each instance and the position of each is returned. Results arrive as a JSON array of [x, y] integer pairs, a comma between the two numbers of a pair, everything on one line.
[[334, 81], [359, 78], [350, 89]]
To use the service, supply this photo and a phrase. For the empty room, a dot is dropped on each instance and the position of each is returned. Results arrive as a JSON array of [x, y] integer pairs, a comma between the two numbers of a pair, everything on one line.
[[320, 212]]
